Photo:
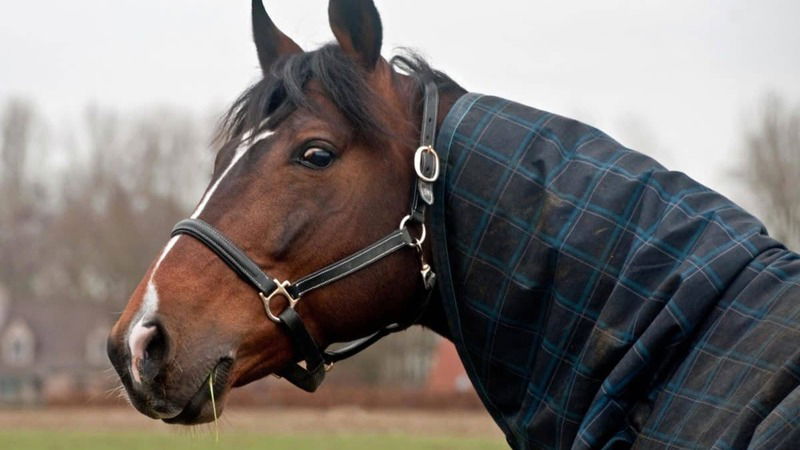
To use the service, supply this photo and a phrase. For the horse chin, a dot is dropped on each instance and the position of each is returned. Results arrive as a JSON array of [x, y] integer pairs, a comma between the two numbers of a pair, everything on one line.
[[200, 407]]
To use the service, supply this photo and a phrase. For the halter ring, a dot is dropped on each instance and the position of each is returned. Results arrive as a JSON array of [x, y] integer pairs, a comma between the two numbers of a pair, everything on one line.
[[418, 241], [280, 289]]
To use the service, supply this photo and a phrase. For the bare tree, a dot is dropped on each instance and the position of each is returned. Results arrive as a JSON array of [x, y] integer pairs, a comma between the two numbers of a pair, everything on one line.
[[15, 128], [772, 168], [118, 203], [21, 219], [86, 217]]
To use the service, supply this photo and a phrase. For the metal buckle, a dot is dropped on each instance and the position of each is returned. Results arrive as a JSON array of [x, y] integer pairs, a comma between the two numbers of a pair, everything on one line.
[[280, 289], [418, 164]]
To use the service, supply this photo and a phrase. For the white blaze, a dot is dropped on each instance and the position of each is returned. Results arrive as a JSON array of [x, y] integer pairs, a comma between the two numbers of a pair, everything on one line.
[[138, 331], [240, 151]]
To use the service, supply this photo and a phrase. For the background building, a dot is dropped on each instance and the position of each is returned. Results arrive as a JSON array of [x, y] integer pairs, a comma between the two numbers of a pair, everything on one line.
[[51, 353]]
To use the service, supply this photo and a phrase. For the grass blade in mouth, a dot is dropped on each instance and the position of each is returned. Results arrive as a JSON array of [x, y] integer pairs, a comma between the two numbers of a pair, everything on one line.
[[213, 405]]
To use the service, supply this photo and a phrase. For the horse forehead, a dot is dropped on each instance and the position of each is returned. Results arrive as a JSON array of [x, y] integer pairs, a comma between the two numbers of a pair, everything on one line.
[[320, 112]]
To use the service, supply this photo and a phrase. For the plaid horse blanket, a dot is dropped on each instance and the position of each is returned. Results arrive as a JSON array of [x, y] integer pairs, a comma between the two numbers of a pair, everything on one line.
[[599, 300]]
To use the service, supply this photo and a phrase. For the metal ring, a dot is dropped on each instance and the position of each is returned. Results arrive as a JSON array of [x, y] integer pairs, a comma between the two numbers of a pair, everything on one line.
[[403, 221], [418, 164], [421, 239], [418, 241], [280, 289]]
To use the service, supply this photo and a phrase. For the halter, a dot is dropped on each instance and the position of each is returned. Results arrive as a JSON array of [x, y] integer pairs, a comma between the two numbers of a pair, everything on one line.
[[318, 362]]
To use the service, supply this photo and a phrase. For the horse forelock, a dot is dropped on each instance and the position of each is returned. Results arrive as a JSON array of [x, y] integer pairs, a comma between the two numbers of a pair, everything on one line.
[[274, 97]]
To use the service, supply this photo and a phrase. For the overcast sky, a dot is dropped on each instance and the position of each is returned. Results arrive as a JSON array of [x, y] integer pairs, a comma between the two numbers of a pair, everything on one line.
[[675, 79]]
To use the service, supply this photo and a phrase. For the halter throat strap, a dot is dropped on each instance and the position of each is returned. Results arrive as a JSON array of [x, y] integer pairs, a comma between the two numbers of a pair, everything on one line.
[[317, 362]]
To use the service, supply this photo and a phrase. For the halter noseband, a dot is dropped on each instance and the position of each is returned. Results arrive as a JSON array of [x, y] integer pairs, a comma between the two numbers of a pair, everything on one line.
[[317, 362]]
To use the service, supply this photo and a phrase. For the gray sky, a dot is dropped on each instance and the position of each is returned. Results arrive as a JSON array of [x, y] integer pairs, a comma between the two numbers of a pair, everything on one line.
[[675, 79]]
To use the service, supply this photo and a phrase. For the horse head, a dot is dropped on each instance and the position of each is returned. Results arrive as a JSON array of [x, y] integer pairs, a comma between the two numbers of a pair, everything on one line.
[[316, 162]]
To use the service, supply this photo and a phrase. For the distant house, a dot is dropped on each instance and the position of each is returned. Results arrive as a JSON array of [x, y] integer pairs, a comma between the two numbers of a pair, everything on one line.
[[51, 352], [447, 374]]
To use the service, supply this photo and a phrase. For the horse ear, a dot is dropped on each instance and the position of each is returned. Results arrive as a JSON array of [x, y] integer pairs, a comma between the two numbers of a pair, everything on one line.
[[271, 43], [358, 29]]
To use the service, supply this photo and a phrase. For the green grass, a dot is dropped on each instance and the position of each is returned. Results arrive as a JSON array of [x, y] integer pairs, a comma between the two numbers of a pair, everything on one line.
[[55, 440]]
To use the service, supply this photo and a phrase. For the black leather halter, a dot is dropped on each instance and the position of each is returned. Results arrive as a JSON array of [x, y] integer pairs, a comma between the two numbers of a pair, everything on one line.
[[317, 362]]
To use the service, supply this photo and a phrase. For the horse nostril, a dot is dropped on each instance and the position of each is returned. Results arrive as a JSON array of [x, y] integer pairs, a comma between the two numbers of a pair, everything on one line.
[[148, 346], [157, 347]]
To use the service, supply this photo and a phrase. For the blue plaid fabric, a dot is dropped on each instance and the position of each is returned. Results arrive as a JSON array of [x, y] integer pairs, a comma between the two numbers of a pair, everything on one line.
[[599, 300]]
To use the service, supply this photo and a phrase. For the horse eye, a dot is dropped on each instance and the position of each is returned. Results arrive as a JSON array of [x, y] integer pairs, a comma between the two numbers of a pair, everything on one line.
[[317, 158]]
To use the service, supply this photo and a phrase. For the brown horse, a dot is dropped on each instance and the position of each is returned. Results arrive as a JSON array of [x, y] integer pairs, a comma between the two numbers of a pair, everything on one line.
[[597, 299], [316, 164]]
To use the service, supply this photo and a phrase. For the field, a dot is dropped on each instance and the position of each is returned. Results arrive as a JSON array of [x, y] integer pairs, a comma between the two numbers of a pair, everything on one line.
[[297, 429]]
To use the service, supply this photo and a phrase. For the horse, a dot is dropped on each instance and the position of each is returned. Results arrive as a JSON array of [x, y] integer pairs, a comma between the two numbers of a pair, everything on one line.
[[596, 299]]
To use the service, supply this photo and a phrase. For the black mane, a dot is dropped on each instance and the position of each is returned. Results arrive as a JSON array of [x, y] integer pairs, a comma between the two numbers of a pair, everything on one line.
[[275, 96]]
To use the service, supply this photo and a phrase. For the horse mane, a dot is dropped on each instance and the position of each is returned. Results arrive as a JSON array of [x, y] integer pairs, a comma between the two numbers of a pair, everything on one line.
[[270, 100]]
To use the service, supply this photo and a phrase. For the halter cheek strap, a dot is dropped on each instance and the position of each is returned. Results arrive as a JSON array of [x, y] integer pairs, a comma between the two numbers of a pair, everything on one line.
[[317, 362], [426, 161]]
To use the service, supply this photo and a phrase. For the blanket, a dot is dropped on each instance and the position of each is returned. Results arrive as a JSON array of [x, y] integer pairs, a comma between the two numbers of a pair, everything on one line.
[[599, 300]]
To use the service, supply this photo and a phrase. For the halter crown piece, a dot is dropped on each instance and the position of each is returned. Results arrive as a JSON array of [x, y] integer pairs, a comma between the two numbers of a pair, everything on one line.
[[317, 362]]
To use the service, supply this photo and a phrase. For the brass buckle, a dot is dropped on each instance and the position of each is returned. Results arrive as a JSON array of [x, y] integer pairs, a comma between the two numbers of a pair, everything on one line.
[[280, 289]]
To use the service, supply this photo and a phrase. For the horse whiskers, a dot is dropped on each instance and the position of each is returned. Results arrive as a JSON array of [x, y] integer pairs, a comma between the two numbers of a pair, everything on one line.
[[108, 393], [118, 390]]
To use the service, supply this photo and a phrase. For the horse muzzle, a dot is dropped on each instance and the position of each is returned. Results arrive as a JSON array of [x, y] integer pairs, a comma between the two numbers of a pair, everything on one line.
[[157, 386]]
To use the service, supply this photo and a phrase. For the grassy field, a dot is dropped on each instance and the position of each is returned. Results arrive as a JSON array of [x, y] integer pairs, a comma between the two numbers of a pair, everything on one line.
[[55, 440], [351, 429]]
